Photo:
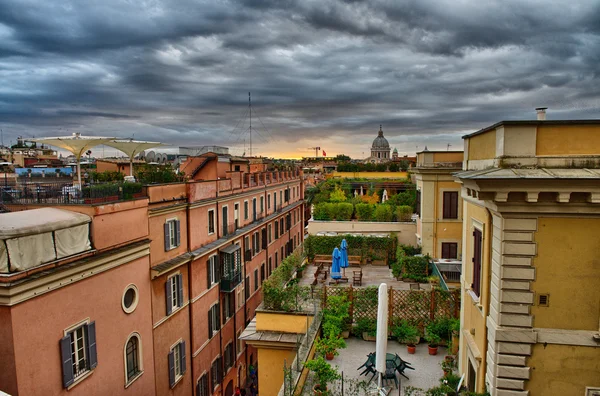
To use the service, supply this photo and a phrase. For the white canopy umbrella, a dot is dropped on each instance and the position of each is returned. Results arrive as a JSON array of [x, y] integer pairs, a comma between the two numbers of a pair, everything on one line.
[[76, 144], [131, 148]]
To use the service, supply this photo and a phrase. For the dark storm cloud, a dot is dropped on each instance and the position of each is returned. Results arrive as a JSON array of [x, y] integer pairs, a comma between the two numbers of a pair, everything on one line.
[[319, 70]]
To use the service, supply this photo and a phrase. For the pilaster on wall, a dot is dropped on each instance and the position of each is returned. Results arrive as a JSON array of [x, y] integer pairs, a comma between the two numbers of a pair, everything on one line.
[[509, 323]]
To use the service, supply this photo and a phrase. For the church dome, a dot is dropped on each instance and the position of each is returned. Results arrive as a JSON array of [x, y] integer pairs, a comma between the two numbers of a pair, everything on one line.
[[380, 143], [395, 150]]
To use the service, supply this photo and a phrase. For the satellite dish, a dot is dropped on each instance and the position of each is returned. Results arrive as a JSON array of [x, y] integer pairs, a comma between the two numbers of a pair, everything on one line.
[[150, 157]]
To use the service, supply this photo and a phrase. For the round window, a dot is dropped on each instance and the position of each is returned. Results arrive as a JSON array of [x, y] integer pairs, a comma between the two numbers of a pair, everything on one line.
[[130, 298]]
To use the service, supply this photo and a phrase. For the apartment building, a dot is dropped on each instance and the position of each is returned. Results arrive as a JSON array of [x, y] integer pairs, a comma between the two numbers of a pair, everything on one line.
[[439, 204], [530, 309], [75, 301], [208, 246]]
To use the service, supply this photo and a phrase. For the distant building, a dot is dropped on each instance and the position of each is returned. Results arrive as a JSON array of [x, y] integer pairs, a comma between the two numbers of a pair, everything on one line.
[[439, 205], [116, 165], [380, 150]]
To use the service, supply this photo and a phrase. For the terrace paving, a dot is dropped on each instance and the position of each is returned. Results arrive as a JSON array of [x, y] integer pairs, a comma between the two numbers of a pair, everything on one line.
[[427, 370], [373, 275]]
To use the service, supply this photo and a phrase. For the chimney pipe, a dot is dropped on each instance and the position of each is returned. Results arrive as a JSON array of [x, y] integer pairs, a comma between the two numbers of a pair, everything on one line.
[[541, 113]]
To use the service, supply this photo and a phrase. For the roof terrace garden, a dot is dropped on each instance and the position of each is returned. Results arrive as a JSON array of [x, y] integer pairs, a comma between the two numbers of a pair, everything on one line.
[[354, 199]]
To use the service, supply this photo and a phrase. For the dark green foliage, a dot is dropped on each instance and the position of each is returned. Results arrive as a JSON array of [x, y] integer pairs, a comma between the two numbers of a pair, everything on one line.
[[278, 293], [365, 325], [365, 211], [383, 213], [107, 176], [149, 174], [404, 165], [404, 213], [394, 167], [358, 245]]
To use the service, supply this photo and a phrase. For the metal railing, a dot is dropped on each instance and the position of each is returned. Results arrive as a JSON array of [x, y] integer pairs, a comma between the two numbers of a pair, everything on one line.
[[65, 192]]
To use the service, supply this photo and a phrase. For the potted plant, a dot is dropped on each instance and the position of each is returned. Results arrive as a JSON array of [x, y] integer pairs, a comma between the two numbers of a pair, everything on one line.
[[433, 341], [324, 373], [455, 331], [407, 334], [447, 367], [329, 345], [299, 270], [367, 328]]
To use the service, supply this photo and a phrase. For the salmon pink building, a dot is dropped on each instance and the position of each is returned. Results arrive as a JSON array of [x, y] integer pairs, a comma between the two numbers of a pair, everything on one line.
[[153, 298]]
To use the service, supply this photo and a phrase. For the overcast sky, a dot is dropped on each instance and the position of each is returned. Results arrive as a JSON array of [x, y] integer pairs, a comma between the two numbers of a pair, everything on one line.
[[322, 73]]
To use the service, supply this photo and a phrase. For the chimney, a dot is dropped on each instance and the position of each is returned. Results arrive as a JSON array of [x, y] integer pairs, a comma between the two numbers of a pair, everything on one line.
[[541, 113]]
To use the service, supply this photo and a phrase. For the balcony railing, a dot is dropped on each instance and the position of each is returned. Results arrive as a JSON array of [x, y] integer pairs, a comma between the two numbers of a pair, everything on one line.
[[65, 192], [228, 284]]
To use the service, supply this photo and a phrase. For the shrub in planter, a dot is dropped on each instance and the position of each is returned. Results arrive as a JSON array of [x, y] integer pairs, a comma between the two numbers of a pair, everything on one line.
[[383, 213], [405, 333], [366, 327], [433, 341], [404, 213], [320, 212], [324, 373], [364, 211], [343, 211], [336, 315], [329, 345]]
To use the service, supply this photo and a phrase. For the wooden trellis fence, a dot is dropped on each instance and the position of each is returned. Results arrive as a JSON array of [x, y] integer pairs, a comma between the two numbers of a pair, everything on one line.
[[418, 307]]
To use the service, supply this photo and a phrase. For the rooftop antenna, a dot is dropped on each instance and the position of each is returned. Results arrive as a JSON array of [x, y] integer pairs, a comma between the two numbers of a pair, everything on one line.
[[250, 108], [1, 138], [448, 147]]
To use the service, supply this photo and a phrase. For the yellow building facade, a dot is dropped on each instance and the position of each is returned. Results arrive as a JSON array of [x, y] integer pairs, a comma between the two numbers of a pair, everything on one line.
[[530, 314], [439, 206]]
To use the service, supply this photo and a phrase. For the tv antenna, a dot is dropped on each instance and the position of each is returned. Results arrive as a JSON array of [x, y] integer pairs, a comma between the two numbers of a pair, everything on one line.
[[448, 147]]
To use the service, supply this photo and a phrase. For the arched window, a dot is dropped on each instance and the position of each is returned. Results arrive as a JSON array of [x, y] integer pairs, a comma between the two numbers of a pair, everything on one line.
[[133, 361]]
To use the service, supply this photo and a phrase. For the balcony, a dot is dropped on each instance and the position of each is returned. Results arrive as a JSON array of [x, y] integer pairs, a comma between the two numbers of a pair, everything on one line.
[[231, 268]]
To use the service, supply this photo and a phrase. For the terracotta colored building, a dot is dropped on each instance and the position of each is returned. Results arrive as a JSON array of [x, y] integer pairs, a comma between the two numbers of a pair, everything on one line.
[[200, 251]]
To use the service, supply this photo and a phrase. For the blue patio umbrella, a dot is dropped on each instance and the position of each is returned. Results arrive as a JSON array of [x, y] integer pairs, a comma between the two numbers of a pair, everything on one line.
[[344, 250], [335, 264]]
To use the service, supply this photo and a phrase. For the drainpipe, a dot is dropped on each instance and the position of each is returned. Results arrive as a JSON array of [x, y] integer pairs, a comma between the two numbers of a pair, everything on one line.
[[486, 309], [189, 245]]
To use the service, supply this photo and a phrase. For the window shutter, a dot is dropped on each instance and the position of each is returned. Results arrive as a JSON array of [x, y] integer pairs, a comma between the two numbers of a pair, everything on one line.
[[220, 370], [453, 250], [182, 354], [445, 251], [167, 241], [177, 232], [212, 377], [67, 362], [217, 308], [208, 270], [91, 347], [232, 303], [224, 316], [198, 388], [264, 238], [210, 323], [218, 270], [180, 289], [477, 262], [172, 368], [168, 296]]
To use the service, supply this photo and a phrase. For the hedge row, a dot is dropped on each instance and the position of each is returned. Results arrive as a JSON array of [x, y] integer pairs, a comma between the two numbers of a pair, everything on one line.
[[358, 245], [345, 211]]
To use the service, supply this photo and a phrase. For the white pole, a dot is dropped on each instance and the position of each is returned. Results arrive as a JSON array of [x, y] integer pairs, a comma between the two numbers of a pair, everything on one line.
[[382, 332], [79, 170]]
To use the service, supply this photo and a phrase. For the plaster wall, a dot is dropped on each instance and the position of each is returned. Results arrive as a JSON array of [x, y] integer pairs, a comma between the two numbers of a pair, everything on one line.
[[371, 175], [8, 373], [448, 156], [482, 146], [568, 140], [563, 369], [568, 269], [280, 322], [157, 232], [98, 298], [270, 373]]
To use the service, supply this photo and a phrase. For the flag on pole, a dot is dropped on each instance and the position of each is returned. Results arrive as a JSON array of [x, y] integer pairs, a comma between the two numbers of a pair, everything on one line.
[[324, 154]]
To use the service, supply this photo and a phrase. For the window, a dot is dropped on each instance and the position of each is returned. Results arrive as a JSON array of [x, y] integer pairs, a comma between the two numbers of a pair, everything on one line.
[[281, 196], [275, 259], [202, 386], [449, 250], [174, 292], [176, 363], [213, 272], [130, 298], [282, 256], [229, 356], [268, 201], [245, 210], [238, 342], [172, 234], [274, 201], [477, 240], [269, 229], [211, 221], [262, 273], [418, 203], [255, 279], [450, 205], [276, 229], [281, 231], [78, 352], [214, 320], [262, 204], [228, 306], [247, 288], [270, 269], [133, 361], [216, 373]]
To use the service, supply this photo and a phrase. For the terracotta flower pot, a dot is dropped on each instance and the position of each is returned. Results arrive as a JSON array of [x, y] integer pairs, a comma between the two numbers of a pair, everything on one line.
[[411, 349], [329, 356], [432, 349], [318, 391]]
